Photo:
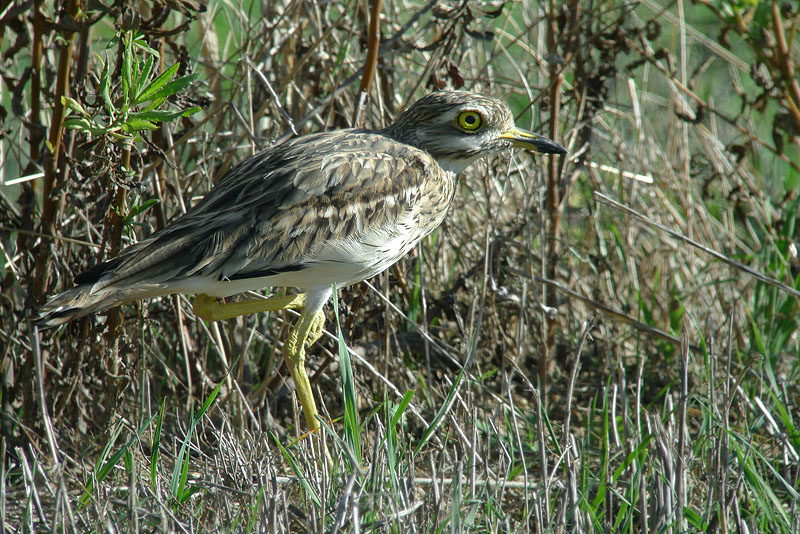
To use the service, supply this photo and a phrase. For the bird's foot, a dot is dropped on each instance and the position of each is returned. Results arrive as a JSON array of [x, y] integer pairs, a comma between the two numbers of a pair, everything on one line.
[[315, 331]]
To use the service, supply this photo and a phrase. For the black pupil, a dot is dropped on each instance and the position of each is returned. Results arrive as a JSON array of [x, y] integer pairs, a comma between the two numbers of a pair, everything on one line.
[[470, 119]]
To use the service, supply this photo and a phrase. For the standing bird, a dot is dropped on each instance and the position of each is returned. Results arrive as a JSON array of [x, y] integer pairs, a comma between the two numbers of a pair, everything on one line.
[[328, 208]]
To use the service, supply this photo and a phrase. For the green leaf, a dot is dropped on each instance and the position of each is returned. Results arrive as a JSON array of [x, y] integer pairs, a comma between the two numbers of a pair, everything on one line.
[[255, 515], [103, 466], [162, 116], [401, 408], [73, 105], [133, 125], [351, 427], [127, 56], [144, 76], [83, 125], [105, 91], [136, 209], [293, 464], [154, 104], [180, 473], [157, 84], [156, 443], [77, 123], [113, 42], [140, 44], [171, 88], [439, 417], [127, 459]]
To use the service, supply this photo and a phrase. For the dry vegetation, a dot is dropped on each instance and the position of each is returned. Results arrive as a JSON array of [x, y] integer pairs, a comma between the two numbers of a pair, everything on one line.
[[575, 349]]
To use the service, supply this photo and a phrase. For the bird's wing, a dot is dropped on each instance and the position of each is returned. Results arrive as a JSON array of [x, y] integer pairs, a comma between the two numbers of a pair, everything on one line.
[[265, 214]]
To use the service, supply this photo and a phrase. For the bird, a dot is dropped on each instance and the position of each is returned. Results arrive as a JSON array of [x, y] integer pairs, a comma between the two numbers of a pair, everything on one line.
[[327, 208]]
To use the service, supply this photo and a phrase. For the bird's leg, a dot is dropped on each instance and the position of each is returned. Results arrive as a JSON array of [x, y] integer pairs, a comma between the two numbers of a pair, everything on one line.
[[208, 309], [307, 330]]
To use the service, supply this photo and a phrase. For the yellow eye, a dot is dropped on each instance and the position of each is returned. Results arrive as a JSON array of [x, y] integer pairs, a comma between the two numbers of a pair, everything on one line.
[[469, 121]]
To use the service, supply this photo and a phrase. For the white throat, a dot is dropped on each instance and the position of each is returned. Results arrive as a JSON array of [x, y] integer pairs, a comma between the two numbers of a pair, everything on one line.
[[456, 165]]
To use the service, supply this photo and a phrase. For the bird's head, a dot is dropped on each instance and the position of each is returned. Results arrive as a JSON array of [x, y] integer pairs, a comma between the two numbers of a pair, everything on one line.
[[457, 127]]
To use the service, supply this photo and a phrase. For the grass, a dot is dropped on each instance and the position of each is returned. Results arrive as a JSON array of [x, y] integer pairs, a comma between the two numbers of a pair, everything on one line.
[[668, 401]]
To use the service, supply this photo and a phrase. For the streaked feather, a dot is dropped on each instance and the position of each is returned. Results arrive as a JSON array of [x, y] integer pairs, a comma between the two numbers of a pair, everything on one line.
[[334, 207]]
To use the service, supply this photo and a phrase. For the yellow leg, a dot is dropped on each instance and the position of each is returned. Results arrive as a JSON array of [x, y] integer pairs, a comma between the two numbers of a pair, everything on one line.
[[306, 331], [208, 309]]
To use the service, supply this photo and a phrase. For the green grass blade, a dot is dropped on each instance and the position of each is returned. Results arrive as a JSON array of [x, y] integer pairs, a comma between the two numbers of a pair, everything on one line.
[[105, 466], [290, 459], [180, 472], [350, 423], [156, 444]]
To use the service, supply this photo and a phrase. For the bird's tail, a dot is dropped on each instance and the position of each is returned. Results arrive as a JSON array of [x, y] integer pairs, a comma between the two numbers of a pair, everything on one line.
[[83, 300]]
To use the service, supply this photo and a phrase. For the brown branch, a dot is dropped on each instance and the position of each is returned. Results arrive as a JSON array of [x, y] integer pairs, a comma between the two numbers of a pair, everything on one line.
[[35, 126], [784, 63], [117, 215], [552, 208], [47, 221], [373, 45]]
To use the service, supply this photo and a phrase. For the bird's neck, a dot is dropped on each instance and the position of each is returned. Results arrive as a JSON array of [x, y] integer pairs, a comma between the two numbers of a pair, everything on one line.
[[454, 165]]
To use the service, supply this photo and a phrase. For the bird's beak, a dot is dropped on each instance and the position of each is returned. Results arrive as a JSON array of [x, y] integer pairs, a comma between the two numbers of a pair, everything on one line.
[[531, 141]]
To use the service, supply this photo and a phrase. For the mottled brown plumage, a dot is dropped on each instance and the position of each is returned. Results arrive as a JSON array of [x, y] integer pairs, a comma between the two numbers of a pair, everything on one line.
[[333, 207], [328, 208]]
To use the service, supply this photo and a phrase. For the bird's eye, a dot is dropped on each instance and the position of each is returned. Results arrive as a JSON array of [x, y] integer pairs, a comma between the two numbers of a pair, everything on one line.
[[469, 121]]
